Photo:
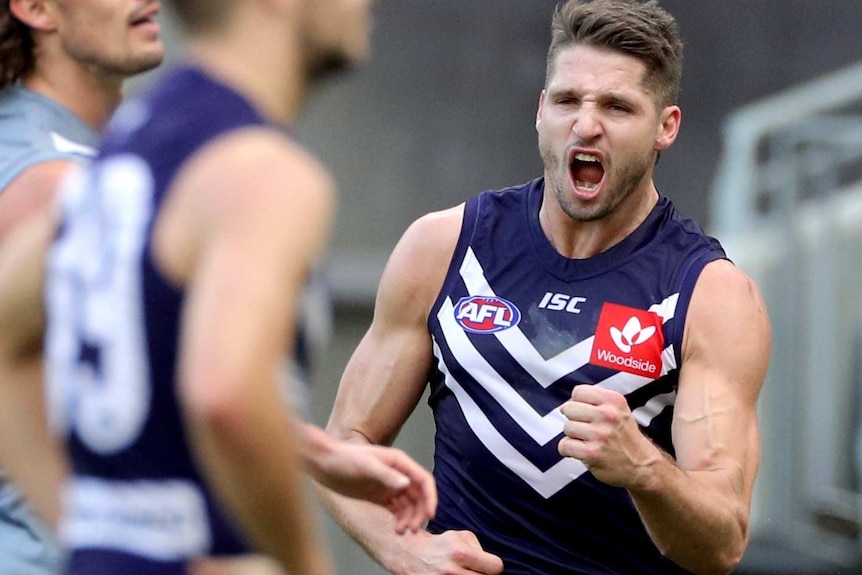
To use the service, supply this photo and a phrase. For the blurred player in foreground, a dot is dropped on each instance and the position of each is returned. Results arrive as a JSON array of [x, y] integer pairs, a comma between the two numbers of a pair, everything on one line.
[[171, 291]]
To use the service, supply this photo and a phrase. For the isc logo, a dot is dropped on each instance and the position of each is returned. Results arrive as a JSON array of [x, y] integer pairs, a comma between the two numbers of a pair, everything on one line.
[[560, 301], [482, 314]]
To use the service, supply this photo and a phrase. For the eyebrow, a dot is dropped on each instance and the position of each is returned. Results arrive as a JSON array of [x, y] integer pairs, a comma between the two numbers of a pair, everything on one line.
[[612, 96], [621, 98]]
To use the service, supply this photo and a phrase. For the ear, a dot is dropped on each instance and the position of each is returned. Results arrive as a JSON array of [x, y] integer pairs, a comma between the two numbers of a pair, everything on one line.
[[668, 129], [539, 111], [36, 14]]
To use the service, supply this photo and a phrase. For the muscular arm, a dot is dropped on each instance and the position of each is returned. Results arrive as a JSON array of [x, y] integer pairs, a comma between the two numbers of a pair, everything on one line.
[[31, 455], [381, 386], [244, 221], [28, 451], [696, 509], [387, 373]]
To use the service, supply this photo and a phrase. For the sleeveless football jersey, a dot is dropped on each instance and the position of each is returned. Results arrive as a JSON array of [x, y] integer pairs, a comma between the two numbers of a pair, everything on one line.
[[136, 501], [515, 327], [33, 129]]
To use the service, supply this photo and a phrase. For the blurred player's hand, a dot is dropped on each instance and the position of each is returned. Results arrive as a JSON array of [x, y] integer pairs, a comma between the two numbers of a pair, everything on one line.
[[244, 565], [382, 475]]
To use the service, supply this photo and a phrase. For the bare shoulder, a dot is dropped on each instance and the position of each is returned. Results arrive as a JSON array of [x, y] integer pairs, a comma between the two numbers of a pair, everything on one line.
[[433, 236], [255, 180], [259, 160], [727, 327], [417, 267], [425, 249], [43, 175], [723, 288], [31, 192]]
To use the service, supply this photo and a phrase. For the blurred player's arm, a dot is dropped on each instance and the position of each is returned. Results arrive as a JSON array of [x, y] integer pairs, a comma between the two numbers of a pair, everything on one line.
[[382, 475], [31, 192], [31, 455], [245, 219], [381, 386]]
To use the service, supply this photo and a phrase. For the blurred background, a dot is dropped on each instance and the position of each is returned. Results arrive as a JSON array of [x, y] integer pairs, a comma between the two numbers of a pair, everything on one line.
[[768, 160]]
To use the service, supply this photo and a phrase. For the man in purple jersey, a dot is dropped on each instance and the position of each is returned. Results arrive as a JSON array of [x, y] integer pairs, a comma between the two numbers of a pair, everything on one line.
[[165, 302], [594, 359]]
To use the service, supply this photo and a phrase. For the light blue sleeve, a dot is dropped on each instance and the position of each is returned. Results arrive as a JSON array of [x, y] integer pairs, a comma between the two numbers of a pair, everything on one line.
[[35, 129], [26, 545]]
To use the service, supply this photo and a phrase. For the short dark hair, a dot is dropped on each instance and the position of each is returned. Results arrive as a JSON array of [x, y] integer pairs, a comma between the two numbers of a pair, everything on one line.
[[17, 57], [633, 27]]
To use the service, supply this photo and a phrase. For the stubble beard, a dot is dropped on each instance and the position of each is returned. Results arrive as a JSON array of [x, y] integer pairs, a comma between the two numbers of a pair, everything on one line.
[[135, 66], [619, 185], [117, 66]]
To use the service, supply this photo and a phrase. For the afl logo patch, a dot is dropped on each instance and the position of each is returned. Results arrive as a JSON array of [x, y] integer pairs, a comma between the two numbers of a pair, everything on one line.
[[484, 314]]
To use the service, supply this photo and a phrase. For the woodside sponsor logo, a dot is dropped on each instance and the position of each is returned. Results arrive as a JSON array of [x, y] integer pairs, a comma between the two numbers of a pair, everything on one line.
[[628, 339]]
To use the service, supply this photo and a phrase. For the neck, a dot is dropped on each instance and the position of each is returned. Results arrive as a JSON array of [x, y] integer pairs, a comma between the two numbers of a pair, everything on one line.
[[87, 94], [260, 61], [583, 239]]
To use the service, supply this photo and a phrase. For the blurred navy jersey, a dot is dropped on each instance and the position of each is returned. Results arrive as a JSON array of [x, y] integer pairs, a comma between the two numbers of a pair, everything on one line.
[[136, 501], [515, 327]]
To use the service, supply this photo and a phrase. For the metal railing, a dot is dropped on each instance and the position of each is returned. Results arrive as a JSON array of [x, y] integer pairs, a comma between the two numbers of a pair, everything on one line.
[[787, 204]]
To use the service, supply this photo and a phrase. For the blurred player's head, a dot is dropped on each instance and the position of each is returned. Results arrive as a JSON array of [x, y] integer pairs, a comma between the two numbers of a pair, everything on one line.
[[333, 35], [111, 39], [640, 29]]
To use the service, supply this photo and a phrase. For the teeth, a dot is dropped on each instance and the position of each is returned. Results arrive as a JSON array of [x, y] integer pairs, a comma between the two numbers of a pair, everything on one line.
[[588, 186], [587, 158]]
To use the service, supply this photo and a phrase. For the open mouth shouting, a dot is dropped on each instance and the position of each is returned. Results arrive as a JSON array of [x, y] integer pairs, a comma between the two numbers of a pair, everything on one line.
[[586, 172]]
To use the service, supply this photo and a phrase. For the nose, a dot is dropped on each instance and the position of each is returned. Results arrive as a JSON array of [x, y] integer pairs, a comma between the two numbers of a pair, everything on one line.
[[587, 125]]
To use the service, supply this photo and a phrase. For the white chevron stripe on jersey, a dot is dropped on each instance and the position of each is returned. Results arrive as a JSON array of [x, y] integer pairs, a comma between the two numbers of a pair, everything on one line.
[[541, 428], [626, 383], [544, 371], [547, 371], [645, 414], [546, 483], [668, 360], [666, 309], [623, 382], [68, 146]]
